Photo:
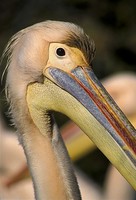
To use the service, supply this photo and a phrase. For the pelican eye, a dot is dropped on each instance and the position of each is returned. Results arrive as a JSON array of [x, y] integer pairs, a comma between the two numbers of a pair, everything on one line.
[[60, 52]]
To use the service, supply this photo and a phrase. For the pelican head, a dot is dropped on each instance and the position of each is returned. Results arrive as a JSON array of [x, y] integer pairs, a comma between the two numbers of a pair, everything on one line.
[[50, 69]]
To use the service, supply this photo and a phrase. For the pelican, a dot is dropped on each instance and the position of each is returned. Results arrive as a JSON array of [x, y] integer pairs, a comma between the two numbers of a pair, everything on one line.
[[49, 69]]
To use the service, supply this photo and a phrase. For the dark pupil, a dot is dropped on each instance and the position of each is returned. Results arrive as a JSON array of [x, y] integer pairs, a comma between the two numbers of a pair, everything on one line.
[[60, 52]]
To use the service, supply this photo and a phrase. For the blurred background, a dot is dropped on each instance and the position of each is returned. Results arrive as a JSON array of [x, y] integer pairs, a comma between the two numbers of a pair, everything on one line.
[[110, 23]]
